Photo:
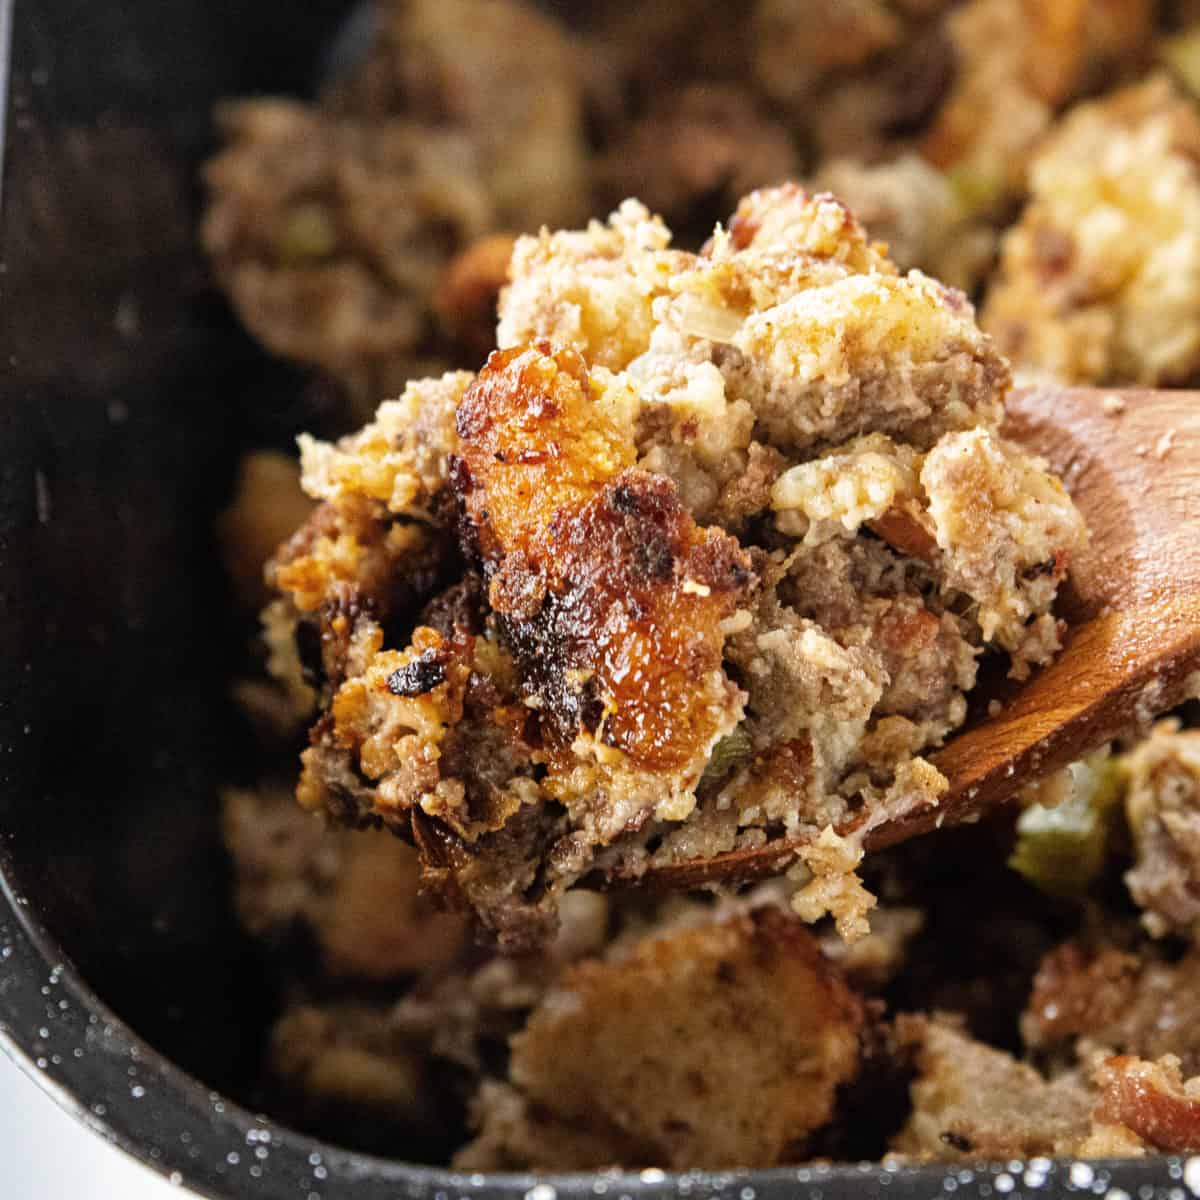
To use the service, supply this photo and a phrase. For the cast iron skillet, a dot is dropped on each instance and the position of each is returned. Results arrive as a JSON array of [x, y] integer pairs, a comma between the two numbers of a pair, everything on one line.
[[125, 392]]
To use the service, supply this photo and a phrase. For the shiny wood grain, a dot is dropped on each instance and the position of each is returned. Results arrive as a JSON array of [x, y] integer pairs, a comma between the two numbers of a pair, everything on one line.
[[1132, 600]]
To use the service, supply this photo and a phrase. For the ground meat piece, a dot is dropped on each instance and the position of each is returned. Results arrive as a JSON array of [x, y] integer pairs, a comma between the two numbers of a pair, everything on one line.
[[1090, 998], [1162, 802], [695, 152], [1152, 1101], [805, 685], [929, 662], [972, 1102], [356, 893], [1098, 281], [734, 1036], [749, 494]]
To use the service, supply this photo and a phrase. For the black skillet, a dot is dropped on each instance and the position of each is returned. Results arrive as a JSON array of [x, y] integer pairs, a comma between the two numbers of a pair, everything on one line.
[[126, 989]]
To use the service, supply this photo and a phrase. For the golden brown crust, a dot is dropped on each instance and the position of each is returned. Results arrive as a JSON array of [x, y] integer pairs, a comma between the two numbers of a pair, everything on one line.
[[596, 576]]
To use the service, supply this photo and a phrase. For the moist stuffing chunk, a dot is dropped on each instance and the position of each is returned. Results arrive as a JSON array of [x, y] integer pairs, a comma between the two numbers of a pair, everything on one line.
[[1099, 280], [734, 530]]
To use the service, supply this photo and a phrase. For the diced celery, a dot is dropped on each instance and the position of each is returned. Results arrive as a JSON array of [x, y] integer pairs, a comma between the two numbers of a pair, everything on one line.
[[1062, 849], [1181, 55], [727, 755], [308, 234], [977, 190]]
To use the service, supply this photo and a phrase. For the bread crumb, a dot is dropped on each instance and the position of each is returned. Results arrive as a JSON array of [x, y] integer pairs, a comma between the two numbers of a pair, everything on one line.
[[1164, 445], [1113, 405], [829, 867]]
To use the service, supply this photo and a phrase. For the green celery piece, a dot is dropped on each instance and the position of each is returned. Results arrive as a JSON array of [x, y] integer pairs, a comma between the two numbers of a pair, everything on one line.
[[1062, 849], [727, 755], [1180, 53], [308, 234]]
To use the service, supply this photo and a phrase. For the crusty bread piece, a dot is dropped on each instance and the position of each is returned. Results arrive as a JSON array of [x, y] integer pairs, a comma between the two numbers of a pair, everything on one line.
[[719, 1045]]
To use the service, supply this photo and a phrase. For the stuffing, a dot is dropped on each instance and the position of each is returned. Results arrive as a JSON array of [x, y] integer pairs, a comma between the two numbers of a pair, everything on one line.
[[464, 66], [320, 231], [1016, 64], [330, 225], [355, 894], [1162, 804], [973, 1102], [1089, 999], [753, 493], [1098, 280], [718, 1045], [706, 554]]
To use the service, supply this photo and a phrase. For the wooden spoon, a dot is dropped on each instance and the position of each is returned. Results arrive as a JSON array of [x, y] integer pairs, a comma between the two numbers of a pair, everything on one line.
[[1131, 460]]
